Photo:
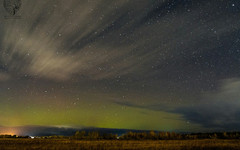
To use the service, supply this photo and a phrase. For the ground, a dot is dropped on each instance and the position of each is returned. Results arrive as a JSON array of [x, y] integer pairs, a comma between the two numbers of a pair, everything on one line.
[[64, 144]]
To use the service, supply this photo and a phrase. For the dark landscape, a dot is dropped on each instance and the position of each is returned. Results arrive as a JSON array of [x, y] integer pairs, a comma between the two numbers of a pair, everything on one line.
[[83, 140], [62, 144]]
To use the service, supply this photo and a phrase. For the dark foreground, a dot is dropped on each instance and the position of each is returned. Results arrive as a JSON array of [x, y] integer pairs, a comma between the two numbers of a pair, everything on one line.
[[46, 144]]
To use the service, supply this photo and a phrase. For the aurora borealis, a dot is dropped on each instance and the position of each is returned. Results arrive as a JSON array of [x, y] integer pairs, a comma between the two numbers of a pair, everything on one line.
[[171, 65]]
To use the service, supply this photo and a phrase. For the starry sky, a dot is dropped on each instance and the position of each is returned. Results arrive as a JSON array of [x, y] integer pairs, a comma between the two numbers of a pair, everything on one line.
[[169, 65]]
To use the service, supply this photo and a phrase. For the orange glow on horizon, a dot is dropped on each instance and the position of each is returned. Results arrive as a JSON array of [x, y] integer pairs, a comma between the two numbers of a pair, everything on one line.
[[9, 132]]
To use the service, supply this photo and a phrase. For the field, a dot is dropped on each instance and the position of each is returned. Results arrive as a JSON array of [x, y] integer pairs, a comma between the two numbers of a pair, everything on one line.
[[46, 144]]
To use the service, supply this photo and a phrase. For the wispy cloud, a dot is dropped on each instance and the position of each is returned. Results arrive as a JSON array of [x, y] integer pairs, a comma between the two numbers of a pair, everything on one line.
[[217, 110], [64, 41], [4, 76], [102, 39]]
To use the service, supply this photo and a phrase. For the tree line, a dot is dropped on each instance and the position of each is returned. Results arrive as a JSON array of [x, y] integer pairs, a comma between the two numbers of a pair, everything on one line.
[[82, 135], [152, 135]]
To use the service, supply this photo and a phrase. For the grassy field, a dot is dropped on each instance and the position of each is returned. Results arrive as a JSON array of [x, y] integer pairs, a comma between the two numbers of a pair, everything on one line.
[[48, 144]]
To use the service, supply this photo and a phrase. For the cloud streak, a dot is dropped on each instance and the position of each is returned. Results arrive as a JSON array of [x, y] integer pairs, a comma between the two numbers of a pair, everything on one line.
[[4, 76], [88, 39], [218, 110], [64, 41]]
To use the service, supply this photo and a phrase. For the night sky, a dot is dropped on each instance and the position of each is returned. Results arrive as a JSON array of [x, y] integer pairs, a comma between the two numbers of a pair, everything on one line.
[[168, 65]]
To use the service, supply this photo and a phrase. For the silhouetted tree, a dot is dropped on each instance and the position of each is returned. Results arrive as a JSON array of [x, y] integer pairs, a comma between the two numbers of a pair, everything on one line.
[[93, 135], [80, 135]]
